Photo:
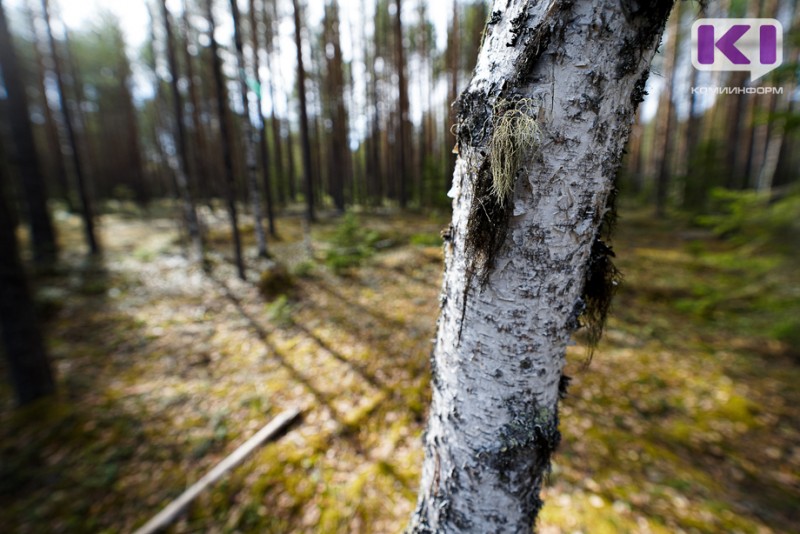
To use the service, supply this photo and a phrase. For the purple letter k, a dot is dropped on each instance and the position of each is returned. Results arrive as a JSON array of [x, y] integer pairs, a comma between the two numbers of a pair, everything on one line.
[[726, 44]]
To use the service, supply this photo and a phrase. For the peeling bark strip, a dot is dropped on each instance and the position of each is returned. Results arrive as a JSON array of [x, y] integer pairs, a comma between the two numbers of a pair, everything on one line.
[[520, 273]]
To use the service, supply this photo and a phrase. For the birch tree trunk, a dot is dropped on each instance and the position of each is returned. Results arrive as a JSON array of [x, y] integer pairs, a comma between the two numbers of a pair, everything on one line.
[[522, 267], [251, 135]]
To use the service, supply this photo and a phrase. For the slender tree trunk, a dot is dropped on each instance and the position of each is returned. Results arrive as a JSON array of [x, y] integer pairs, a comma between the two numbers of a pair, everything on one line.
[[135, 166], [201, 174], [693, 196], [339, 146], [80, 179], [521, 267], [273, 68], [178, 160], [32, 181], [784, 108], [58, 168], [318, 178], [225, 133], [29, 368], [262, 121], [403, 139], [665, 136], [270, 18], [304, 134], [635, 156], [453, 69], [292, 172], [251, 136], [737, 134], [377, 176]]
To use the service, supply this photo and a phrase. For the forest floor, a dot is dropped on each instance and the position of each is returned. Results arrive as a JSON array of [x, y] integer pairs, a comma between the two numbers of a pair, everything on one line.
[[686, 420]]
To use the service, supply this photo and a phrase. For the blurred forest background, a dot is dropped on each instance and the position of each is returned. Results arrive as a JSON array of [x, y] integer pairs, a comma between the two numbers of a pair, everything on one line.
[[236, 208]]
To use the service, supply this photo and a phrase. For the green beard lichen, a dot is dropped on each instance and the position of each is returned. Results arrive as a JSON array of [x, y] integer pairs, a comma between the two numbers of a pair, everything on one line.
[[516, 135]]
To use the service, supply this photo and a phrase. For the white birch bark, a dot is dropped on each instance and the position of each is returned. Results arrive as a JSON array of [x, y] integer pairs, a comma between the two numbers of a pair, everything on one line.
[[500, 347]]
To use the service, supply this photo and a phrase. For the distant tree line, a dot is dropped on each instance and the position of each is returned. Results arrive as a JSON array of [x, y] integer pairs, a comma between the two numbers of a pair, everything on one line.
[[212, 122], [737, 141], [77, 136]]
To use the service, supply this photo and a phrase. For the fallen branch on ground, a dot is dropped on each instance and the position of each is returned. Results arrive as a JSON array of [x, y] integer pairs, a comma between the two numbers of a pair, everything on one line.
[[273, 429]]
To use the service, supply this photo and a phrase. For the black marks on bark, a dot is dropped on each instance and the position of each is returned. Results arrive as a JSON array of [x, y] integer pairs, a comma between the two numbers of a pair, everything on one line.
[[591, 103], [522, 459], [534, 46], [419, 523], [442, 507], [610, 215], [495, 17], [602, 277], [447, 234], [563, 385], [639, 92], [518, 27], [574, 321], [629, 59], [649, 18], [435, 380], [487, 225], [474, 113], [600, 285]]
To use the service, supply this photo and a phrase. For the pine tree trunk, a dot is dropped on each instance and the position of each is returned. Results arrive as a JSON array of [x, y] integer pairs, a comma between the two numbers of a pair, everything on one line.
[[29, 368], [201, 174], [305, 141], [517, 268], [454, 69], [80, 179], [58, 168], [665, 138], [270, 17], [226, 133], [178, 160], [31, 178], [251, 135], [262, 120], [403, 140]]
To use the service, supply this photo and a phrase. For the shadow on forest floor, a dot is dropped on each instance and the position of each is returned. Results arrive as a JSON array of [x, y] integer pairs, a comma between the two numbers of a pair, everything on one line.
[[686, 419]]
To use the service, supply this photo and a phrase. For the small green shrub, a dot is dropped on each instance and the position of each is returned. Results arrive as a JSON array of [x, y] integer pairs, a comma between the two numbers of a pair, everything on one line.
[[280, 311], [426, 240], [749, 217], [788, 331], [351, 244], [304, 269]]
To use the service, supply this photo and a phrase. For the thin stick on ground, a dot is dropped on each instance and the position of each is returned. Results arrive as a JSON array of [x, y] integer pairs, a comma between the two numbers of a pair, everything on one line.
[[274, 428]]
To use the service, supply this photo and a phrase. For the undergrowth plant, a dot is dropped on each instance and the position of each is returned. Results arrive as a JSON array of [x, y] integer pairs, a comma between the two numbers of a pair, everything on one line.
[[755, 219], [351, 243]]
